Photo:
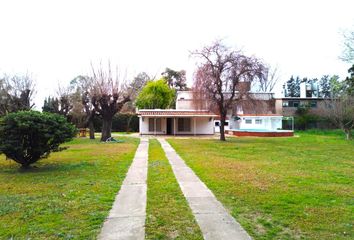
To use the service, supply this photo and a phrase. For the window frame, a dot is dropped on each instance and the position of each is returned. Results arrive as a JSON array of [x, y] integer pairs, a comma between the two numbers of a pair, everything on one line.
[[152, 124], [258, 121], [184, 125], [248, 119]]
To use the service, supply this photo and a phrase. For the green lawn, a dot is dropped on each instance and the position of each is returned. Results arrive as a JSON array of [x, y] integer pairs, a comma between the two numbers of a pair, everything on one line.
[[68, 196], [168, 214], [280, 188]]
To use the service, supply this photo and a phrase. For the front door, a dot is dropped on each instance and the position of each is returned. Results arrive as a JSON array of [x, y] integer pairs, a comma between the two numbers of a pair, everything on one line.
[[169, 126]]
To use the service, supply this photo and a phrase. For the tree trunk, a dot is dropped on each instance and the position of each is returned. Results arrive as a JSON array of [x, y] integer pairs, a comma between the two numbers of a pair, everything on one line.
[[222, 128], [92, 130], [128, 123], [106, 128], [348, 134]]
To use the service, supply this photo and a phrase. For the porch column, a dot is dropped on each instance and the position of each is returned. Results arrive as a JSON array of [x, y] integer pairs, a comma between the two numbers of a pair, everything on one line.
[[195, 126], [155, 126], [174, 126]]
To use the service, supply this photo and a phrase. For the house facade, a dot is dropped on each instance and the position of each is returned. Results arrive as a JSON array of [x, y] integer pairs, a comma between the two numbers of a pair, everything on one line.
[[184, 120], [256, 113], [309, 97]]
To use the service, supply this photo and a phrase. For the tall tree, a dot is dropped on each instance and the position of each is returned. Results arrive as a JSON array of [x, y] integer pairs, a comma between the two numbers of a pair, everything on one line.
[[16, 92], [348, 50], [340, 111], [139, 82], [155, 94], [292, 87], [223, 78], [269, 81], [61, 104], [108, 95], [325, 86], [349, 81], [175, 79], [82, 86], [339, 108]]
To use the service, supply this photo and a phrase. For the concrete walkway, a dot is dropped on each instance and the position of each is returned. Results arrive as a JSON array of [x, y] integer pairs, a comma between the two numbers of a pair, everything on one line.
[[126, 219], [213, 219]]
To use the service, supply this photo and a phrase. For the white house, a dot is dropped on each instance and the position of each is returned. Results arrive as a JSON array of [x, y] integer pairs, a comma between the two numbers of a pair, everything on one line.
[[187, 120], [269, 122], [184, 120]]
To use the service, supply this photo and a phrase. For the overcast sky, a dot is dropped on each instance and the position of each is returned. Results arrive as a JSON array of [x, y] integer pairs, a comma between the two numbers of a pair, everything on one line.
[[56, 40]]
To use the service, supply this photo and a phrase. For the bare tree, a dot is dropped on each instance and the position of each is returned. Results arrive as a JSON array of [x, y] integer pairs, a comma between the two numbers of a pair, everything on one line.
[[340, 111], [224, 77], [82, 87], [348, 51], [108, 96], [16, 93], [269, 81]]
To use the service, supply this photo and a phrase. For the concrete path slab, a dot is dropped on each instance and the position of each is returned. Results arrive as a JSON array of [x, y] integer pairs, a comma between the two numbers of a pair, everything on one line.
[[126, 219], [214, 220]]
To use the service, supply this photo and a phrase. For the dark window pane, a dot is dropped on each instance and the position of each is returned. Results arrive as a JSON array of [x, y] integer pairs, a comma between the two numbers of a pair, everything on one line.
[[151, 124]]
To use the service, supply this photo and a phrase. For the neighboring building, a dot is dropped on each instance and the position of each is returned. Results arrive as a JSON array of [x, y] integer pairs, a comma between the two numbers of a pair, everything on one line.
[[184, 120], [309, 96], [270, 122]]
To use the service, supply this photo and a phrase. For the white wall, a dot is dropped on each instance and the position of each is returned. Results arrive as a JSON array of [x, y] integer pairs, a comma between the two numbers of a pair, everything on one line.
[[268, 122], [203, 126], [144, 126], [184, 100], [217, 128]]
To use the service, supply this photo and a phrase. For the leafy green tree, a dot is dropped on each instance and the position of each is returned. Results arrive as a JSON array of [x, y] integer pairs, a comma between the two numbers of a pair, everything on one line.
[[28, 136], [155, 94]]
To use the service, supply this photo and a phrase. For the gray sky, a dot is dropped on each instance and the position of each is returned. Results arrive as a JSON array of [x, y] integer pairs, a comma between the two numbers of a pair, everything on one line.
[[56, 40]]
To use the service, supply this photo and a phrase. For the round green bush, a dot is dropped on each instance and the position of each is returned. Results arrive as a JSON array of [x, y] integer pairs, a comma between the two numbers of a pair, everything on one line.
[[28, 136]]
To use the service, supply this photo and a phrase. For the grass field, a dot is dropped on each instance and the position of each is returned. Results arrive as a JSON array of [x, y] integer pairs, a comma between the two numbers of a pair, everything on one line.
[[280, 188], [168, 214], [68, 195]]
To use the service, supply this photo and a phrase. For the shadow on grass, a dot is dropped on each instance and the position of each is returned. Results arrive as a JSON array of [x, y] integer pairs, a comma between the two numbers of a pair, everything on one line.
[[49, 167]]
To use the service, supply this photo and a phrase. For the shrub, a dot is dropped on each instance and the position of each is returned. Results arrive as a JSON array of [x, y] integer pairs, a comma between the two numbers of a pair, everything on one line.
[[28, 136]]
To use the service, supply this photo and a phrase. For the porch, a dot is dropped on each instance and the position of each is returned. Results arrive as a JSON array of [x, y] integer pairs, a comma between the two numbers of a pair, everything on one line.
[[176, 122]]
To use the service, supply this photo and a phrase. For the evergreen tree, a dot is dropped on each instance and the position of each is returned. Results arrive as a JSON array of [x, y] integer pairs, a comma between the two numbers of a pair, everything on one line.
[[175, 79], [349, 82], [293, 87], [325, 87]]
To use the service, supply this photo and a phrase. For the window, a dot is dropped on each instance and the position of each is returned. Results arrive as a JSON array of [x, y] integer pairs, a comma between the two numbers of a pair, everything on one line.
[[152, 124], [313, 104], [217, 124], [248, 121], [285, 104], [294, 104], [184, 124], [226, 124], [258, 121]]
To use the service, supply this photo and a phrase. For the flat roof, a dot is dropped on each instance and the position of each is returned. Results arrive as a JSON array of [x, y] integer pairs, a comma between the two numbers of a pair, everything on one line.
[[260, 115], [175, 112]]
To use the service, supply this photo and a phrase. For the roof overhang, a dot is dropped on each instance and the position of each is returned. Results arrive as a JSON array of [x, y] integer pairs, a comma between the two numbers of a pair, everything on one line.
[[175, 113]]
